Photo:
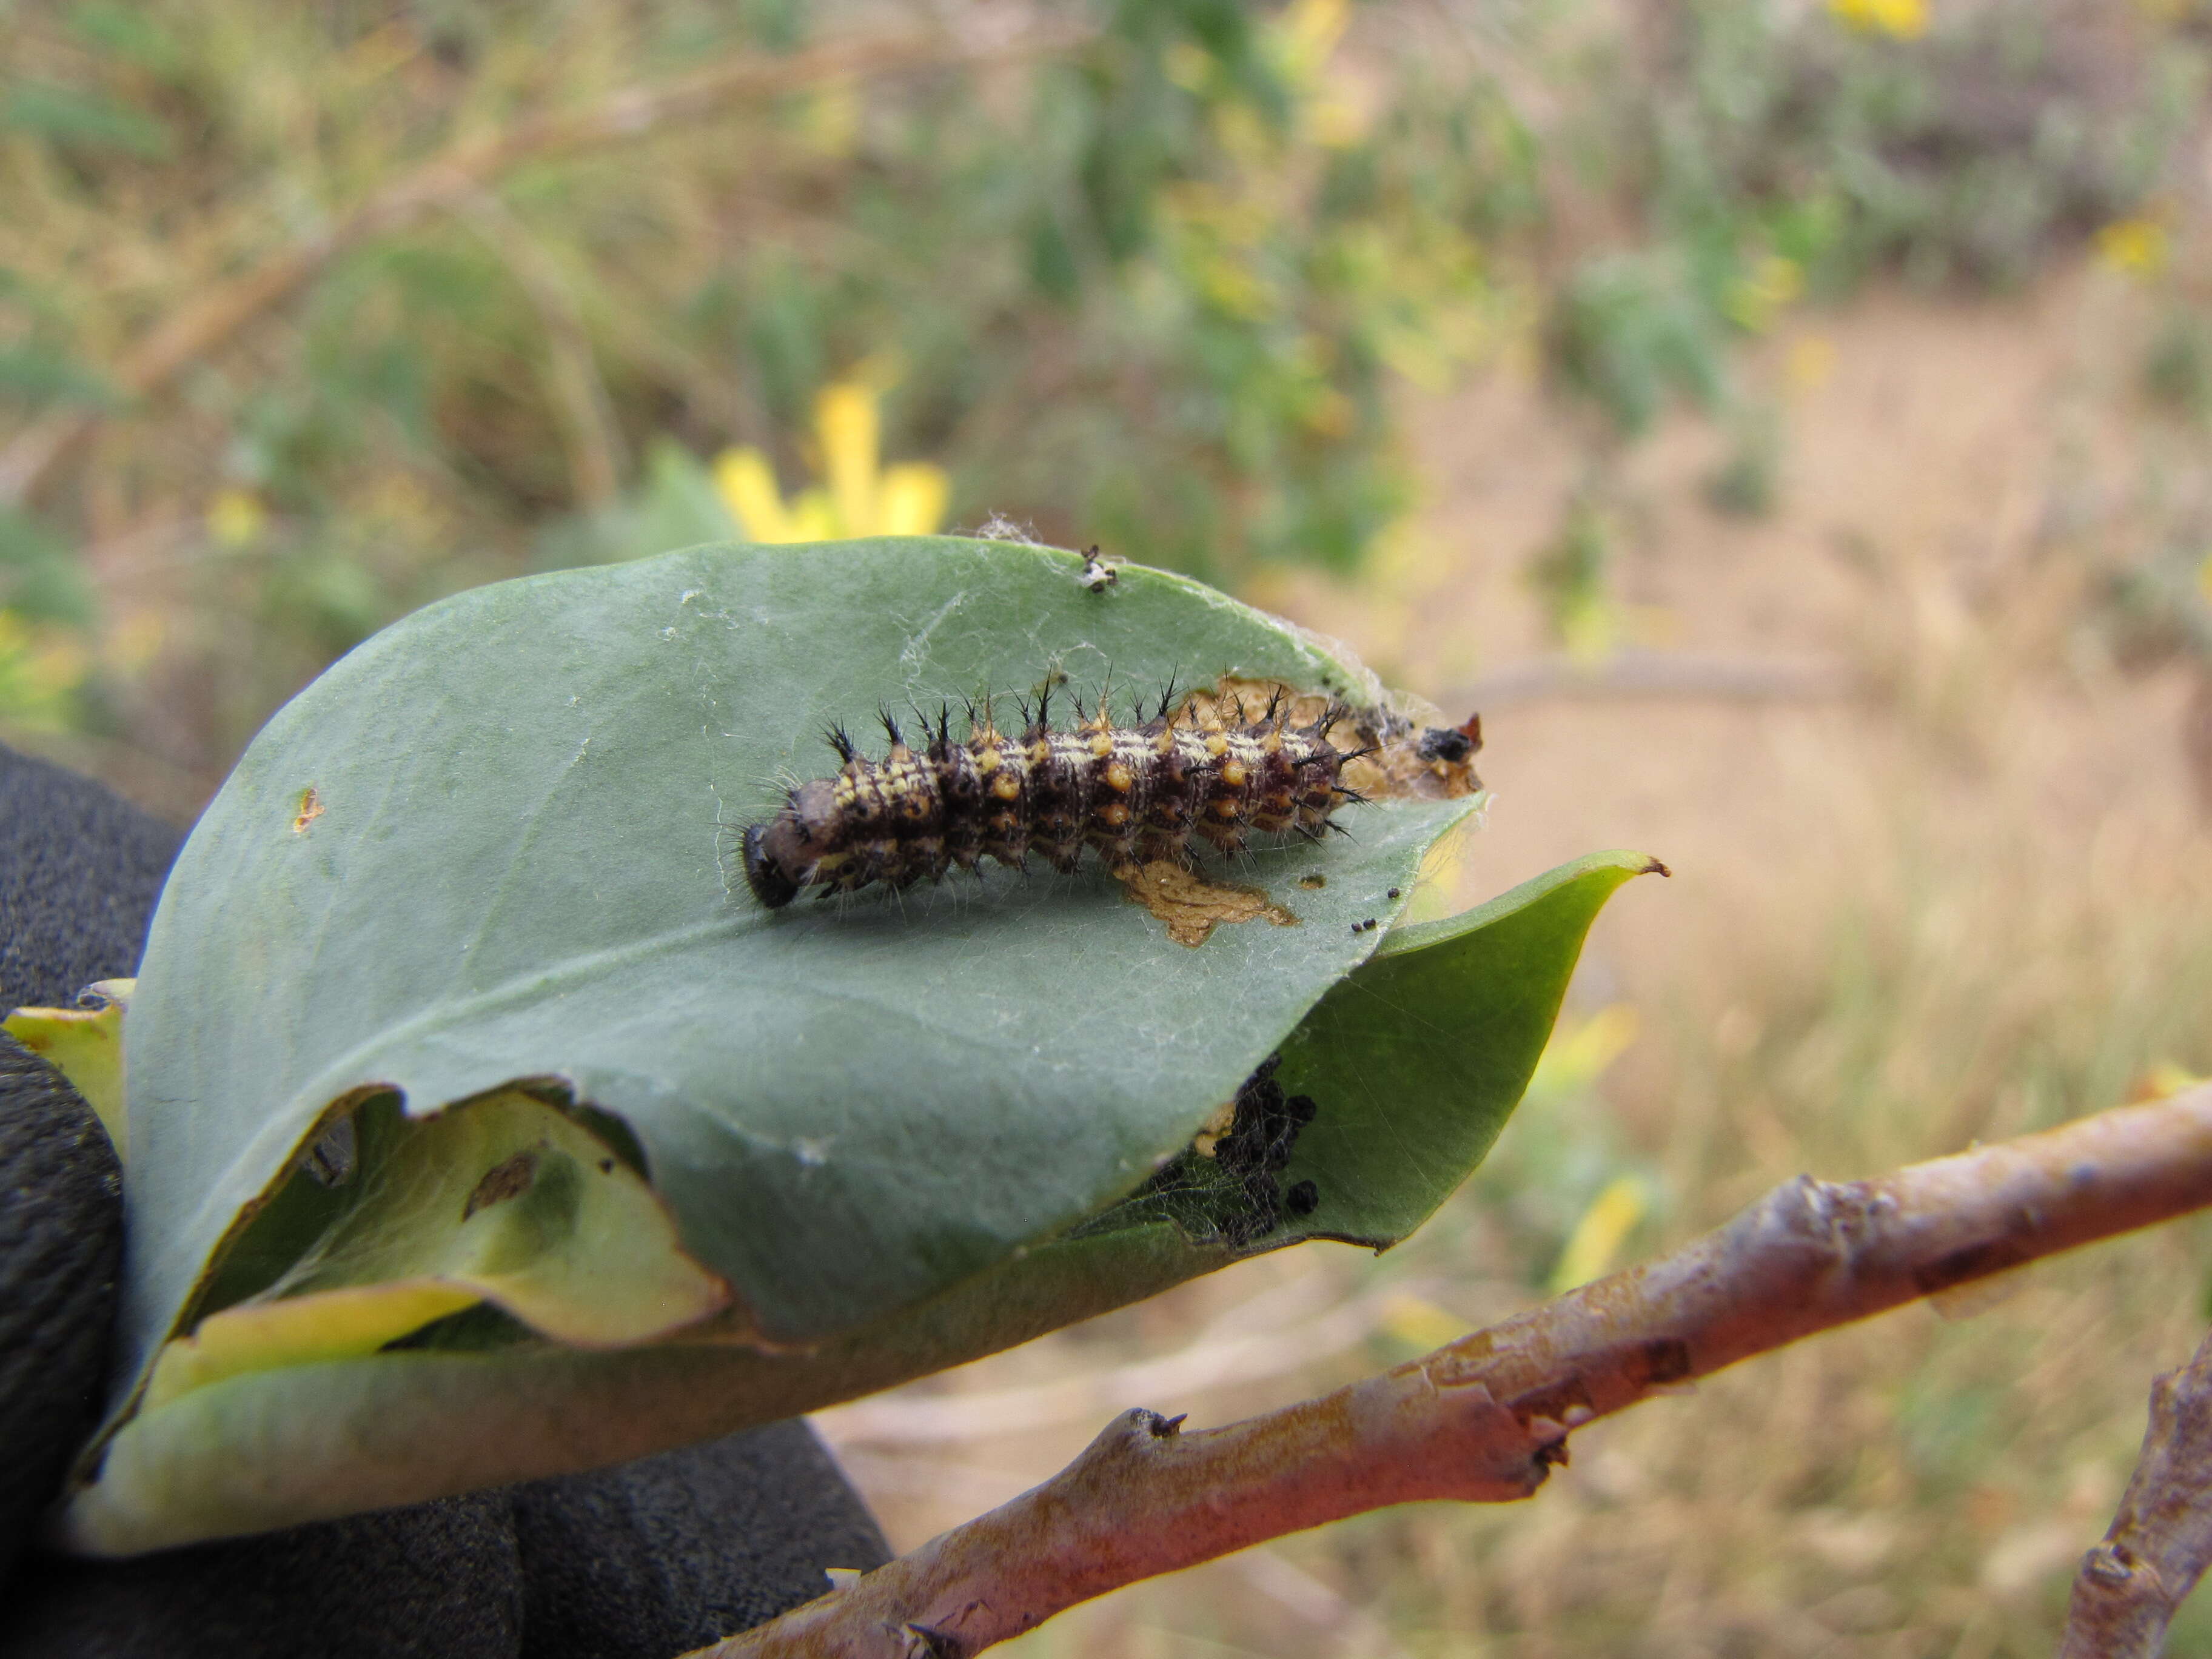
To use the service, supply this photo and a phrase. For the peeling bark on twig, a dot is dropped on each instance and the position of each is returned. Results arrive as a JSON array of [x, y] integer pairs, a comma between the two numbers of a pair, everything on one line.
[[451, 181], [2160, 1540], [1481, 1420]]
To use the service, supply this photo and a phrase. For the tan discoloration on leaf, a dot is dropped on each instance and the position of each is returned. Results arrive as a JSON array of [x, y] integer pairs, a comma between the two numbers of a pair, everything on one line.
[[503, 1180], [311, 808], [1193, 907]]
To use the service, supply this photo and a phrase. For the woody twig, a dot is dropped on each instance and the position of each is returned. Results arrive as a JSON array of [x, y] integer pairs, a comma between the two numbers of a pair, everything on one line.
[[1482, 1419], [2160, 1540]]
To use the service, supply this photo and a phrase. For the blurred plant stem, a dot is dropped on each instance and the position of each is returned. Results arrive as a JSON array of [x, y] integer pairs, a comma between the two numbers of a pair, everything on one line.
[[1483, 1419]]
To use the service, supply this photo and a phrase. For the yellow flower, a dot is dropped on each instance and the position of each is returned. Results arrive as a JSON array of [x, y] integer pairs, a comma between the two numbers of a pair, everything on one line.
[[913, 499], [748, 487], [1418, 1320], [1901, 20], [1754, 300], [2162, 1082], [1580, 1051], [1309, 32], [1811, 361], [858, 495], [845, 425], [40, 664], [830, 119], [236, 518], [1600, 1234], [2136, 247]]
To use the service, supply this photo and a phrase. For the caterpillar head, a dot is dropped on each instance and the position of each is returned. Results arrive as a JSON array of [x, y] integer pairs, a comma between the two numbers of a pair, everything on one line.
[[787, 852], [1451, 744]]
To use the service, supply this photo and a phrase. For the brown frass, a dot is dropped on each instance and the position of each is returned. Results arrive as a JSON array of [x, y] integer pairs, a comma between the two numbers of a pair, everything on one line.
[[1131, 794]]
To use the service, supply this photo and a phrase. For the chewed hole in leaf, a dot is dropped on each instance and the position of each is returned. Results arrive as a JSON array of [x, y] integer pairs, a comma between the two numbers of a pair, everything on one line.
[[505, 1202]]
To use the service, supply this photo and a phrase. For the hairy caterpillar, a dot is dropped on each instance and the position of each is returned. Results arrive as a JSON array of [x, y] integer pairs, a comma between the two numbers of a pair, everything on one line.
[[1132, 795]]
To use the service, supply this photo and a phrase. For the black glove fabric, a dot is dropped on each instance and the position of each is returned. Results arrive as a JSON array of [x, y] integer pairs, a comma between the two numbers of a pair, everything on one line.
[[644, 1561]]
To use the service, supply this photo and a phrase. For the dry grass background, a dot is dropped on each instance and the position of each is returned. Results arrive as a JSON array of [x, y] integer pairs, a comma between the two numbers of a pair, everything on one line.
[[1963, 894], [1965, 898]]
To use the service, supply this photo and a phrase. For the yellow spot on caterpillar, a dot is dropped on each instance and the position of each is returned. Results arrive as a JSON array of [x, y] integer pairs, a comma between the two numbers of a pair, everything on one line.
[[1100, 746], [1119, 778], [989, 760], [1217, 744], [1007, 785], [1224, 808], [1234, 775], [1113, 814], [1040, 752]]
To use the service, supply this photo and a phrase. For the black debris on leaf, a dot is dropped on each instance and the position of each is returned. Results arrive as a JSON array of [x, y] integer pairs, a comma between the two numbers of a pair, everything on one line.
[[1234, 1195]]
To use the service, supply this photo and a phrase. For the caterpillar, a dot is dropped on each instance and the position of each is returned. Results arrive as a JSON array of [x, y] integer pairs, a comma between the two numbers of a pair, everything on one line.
[[1208, 772]]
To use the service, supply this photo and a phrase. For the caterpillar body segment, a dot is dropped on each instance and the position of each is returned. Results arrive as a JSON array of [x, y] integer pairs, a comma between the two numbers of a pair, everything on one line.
[[1129, 794]]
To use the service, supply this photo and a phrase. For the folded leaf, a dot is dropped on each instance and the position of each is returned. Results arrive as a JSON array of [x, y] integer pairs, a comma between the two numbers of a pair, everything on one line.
[[1440, 1075]]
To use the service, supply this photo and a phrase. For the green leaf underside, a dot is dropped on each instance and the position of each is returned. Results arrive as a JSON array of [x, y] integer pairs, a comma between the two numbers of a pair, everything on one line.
[[516, 865], [1440, 1041]]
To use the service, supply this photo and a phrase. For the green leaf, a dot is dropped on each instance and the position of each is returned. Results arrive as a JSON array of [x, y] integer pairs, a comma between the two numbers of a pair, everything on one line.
[[492, 844], [38, 374], [505, 1201], [87, 120], [85, 1045], [1417, 1059]]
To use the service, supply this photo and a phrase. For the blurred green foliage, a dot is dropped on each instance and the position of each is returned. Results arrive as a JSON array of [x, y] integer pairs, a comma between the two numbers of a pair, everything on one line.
[[1156, 288], [1766, 151]]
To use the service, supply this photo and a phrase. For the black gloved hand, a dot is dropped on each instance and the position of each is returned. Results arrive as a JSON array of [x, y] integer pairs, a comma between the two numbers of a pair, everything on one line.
[[640, 1562]]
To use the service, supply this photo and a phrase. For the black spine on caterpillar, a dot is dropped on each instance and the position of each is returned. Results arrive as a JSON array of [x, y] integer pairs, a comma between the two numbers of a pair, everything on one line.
[[1131, 794]]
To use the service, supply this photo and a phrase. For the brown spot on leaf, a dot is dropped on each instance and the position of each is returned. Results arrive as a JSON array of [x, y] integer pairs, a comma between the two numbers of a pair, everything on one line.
[[503, 1180], [311, 808], [1193, 907]]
